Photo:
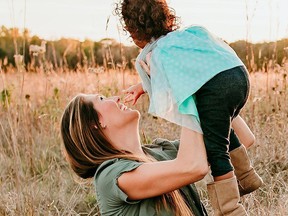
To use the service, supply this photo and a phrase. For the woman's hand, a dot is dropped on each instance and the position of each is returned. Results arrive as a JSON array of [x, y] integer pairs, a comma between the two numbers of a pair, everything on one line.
[[133, 93]]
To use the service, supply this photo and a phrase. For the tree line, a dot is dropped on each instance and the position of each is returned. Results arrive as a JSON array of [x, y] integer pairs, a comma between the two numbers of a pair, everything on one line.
[[72, 54]]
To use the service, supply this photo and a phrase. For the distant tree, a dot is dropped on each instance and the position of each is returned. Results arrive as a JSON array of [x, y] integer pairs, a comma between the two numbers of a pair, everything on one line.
[[261, 53], [73, 54], [3, 54]]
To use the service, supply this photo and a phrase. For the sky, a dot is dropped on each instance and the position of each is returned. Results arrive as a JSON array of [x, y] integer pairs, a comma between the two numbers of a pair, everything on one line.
[[232, 20]]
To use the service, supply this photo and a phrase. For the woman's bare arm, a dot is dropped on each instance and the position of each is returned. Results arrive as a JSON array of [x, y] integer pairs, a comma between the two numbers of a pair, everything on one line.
[[156, 178]]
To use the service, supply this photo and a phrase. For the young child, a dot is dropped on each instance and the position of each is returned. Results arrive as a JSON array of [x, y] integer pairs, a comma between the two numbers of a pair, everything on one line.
[[194, 79]]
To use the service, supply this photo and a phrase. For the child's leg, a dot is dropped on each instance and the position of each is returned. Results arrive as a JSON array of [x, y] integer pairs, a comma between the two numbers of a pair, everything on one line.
[[218, 101], [248, 179], [234, 141], [243, 132]]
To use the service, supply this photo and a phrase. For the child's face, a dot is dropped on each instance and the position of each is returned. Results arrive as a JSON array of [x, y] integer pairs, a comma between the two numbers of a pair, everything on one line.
[[139, 43]]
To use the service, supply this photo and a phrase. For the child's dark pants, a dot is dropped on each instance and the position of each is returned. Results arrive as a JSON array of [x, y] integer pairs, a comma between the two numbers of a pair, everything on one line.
[[219, 101]]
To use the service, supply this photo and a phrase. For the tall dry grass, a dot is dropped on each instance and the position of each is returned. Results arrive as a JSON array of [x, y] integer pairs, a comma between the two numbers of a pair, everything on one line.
[[35, 178]]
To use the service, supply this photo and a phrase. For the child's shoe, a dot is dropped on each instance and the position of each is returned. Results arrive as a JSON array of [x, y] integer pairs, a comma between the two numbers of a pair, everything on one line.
[[224, 196], [248, 179]]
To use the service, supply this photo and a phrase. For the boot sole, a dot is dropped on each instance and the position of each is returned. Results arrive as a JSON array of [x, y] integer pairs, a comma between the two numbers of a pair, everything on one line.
[[252, 187]]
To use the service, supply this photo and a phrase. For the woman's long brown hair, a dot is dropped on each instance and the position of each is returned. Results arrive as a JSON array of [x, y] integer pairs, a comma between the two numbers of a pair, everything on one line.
[[86, 147]]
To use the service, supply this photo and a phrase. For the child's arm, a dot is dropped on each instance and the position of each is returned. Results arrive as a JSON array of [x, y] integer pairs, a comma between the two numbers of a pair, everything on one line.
[[243, 132], [148, 59], [146, 65], [133, 93]]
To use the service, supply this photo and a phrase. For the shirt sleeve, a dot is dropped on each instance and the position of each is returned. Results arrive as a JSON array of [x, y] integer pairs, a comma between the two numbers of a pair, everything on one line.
[[170, 147], [106, 179]]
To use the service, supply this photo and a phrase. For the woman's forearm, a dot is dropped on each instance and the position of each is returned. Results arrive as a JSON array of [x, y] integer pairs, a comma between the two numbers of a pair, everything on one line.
[[156, 178], [192, 156]]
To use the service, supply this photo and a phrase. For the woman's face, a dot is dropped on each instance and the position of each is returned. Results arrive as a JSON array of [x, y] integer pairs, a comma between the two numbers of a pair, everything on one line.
[[112, 113]]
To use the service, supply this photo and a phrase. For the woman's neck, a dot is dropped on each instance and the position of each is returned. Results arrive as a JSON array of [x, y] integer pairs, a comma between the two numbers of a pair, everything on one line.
[[127, 139]]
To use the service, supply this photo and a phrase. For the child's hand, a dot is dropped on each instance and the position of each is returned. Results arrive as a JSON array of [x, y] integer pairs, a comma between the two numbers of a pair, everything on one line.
[[133, 93], [145, 67]]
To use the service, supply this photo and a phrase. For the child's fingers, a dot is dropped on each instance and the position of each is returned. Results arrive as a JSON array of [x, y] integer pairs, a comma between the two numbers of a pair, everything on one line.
[[128, 99], [129, 95], [134, 101], [148, 58], [145, 66], [126, 91], [129, 90]]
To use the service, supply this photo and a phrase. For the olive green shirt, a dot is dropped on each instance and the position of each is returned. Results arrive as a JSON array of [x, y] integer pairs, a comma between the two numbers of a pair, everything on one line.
[[113, 201]]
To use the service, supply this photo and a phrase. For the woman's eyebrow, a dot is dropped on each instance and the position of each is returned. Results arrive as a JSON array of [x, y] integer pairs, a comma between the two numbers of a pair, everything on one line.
[[96, 96]]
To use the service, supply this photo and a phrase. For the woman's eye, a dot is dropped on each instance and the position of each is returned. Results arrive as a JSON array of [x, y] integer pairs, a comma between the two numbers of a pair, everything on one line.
[[102, 97]]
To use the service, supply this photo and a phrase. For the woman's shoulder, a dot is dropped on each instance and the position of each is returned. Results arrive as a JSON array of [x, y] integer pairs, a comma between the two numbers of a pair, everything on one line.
[[165, 143], [163, 149], [113, 168], [109, 195]]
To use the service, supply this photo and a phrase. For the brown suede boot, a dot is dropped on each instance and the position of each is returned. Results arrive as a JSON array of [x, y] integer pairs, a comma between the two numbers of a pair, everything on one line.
[[224, 196], [248, 179]]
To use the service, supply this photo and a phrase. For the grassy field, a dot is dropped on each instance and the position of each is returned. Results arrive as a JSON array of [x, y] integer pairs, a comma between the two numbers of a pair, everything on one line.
[[36, 180]]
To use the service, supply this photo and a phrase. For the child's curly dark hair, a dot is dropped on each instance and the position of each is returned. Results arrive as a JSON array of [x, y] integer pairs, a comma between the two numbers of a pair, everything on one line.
[[145, 19]]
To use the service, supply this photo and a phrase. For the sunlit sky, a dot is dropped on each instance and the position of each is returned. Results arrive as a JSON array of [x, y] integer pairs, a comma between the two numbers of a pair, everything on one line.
[[53, 19]]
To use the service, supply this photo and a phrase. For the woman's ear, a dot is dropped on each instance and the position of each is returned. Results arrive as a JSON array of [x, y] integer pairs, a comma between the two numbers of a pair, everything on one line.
[[101, 122], [101, 125]]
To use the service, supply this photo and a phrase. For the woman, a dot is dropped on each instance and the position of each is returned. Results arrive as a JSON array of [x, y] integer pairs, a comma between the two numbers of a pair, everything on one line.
[[101, 139]]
